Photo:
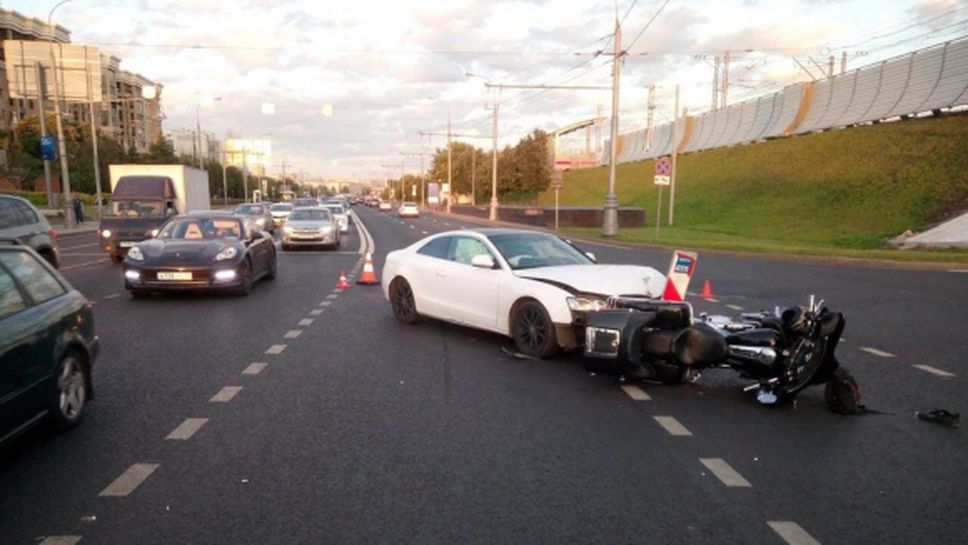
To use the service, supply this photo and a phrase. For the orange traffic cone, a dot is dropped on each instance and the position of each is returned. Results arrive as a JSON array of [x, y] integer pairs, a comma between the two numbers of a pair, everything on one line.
[[368, 277], [707, 291], [342, 284]]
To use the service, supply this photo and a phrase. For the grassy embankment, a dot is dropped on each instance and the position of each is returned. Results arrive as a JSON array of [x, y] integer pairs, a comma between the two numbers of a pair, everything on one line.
[[837, 193]]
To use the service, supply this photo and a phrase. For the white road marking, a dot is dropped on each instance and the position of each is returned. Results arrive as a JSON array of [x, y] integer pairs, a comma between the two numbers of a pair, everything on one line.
[[225, 394], [187, 429], [129, 480], [447, 224], [724, 472], [315, 312], [735, 307], [306, 321], [792, 533], [276, 349], [635, 392], [85, 264], [877, 352], [67, 248], [112, 296], [339, 290], [293, 333], [325, 303], [935, 371], [412, 227], [61, 540], [423, 232], [958, 270], [673, 426], [254, 368], [332, 296]]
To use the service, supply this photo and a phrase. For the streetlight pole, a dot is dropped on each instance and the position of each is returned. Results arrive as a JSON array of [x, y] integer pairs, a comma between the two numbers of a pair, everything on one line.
[[61, 147], [492, 215], [610, 226]]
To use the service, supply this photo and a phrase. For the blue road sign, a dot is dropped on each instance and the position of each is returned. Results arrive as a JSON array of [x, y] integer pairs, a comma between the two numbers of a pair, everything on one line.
[[48, 148]]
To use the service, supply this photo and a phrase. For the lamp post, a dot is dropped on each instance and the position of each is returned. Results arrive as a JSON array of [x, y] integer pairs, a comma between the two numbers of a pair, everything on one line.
[[61, 147], [492, 214], [198, 131]]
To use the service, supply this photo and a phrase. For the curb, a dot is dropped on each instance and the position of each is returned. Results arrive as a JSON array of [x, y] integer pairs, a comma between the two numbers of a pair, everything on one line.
[[75, 232], [825, 260]]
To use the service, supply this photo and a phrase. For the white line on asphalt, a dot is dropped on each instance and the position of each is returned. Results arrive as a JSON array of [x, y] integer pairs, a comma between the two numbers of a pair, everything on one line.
[[958, 270], [129, 480], [332, 296], [85, 264], [877, 352], [315, 312], [735, 307], [68, 248], [112, 296], [724, 472], [792, 533], [75, 254], [187, 429], [423, 232], [61, 540], [934, 371], [339, 290], [447, 224], [254, 368], [325, 303], [306, 321], [412, 227], [673, 426], [276, 349], [225, 394], [293, 333], [635, 392]]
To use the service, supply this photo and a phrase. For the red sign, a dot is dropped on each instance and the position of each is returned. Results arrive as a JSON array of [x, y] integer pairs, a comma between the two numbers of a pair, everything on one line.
[[663, 167]]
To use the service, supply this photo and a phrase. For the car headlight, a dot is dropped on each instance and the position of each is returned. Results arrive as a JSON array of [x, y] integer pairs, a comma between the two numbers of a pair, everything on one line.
[[260, 222], [227, 253], [586, 304], [135, 254], [106, 233], [287, 230], [325, 229]]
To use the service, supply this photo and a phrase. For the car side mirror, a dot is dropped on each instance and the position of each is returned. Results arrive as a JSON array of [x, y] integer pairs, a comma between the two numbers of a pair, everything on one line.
[[591, 256], [482, 261]]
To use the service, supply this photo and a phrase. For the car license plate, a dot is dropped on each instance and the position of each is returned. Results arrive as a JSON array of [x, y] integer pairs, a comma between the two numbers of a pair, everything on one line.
[[126, 244], [175, 275]]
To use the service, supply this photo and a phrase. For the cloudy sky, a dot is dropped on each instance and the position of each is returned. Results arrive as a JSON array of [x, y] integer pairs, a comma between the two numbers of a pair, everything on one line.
[[392, 68]]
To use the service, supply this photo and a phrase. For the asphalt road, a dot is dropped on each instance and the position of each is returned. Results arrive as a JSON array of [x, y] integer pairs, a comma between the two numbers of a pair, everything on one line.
[[360, 430]]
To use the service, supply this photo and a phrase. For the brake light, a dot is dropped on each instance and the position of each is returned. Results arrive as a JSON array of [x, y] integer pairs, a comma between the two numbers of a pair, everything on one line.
[[52, 233]]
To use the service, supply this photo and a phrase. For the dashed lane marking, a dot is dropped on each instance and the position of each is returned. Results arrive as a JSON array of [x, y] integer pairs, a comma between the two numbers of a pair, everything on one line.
[[423, 232], [635, 392], [276, 349], [306, 321], [315, 312], [339, 290], [186, 429], [447, 224], [332, 296], [61, 540], [129, 480], [792, 533], [724, 472], [293, 333], [254, 368], [935, 371], [225, 394], [735, 307], [112, 296], [958, 270], [673, 426], [412, 227], [325, 303], [85, 264], [69, 248], [877, 352]]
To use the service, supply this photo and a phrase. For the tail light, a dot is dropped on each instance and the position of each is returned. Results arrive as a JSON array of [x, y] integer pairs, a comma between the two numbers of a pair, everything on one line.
[[52, 233]]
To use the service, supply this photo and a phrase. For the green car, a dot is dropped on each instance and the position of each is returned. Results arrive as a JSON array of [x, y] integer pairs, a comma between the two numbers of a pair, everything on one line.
[[47, 344]]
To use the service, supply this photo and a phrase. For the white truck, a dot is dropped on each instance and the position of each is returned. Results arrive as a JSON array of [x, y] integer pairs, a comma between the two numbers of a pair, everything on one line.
[[143, 197]]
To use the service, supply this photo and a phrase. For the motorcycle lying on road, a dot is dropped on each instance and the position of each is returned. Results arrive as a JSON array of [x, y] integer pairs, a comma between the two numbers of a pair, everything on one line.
[[782, 352]]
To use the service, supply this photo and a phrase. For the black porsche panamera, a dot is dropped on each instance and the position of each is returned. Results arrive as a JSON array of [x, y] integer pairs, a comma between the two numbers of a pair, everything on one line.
[[209, 251]]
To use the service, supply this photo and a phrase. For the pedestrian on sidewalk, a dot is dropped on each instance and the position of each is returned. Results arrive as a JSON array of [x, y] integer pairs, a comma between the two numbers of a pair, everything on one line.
[[78, 210]]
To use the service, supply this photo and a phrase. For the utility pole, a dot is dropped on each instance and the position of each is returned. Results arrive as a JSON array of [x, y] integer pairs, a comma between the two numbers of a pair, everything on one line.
[[492, 214], [473, 176], [41, 99], [715, 103], [675, 152], [725, 90], [97, 161], [225, 183], [830, 65], [61, 146], [450, 187], [843, 63], [610, 226], [650, 123]]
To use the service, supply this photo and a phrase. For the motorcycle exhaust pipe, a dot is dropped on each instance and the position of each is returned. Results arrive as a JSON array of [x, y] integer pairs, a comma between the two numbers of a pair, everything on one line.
[[763, 355]]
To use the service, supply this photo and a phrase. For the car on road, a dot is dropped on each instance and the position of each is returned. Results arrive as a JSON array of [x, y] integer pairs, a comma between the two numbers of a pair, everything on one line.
[[47, 344], [20, 220], [311, 227], [408, 210], [340, 216], [385, 206], [196, 252], [259, 214], [279, 212], [531, 286]]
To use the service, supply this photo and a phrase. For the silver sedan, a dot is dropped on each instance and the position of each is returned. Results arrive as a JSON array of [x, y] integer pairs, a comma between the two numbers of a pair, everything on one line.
[[310, 227]]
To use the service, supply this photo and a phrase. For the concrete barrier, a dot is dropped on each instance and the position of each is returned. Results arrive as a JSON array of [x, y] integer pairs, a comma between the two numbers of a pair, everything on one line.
[[568, 216]]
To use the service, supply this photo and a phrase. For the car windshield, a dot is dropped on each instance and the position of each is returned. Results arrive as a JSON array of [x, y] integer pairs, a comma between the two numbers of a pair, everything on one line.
[[251, 209], [409, 205], [336, 209], [309, 214], [531, 250], [281, 208], [136, 209], [201, 229]]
